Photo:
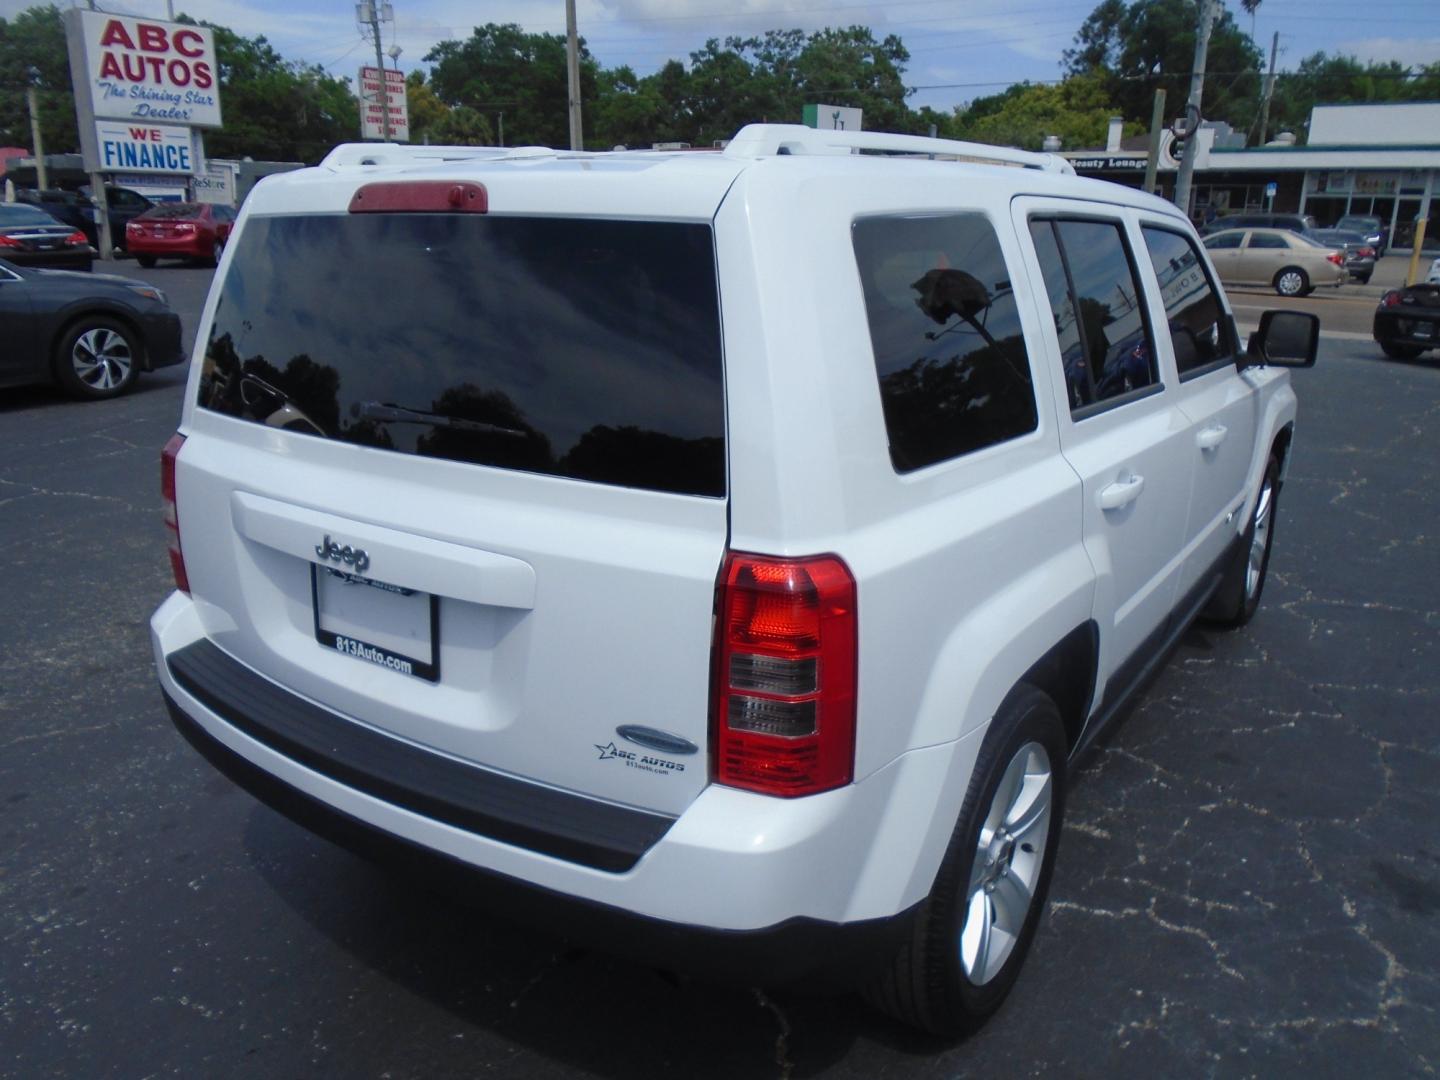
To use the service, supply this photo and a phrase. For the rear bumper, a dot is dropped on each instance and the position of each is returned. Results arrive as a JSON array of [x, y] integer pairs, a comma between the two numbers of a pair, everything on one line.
[[66, 259], [736, 885], [184, 247], [1408, 327], [796, 949]]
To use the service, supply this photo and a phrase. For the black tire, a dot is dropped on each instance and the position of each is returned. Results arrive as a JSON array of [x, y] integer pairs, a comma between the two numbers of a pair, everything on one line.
[[1238, 597], [927, 984], [1292, 281], [97, 357], [145, 261], [1365, 280], [1400, 352]]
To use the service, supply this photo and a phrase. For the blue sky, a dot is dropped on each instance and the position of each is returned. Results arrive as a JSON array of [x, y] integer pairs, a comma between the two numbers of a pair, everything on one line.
[[960, 49]]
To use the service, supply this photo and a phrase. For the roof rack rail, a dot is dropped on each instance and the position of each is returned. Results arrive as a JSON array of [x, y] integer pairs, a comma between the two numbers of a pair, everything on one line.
[[768, 140], [350, 155]]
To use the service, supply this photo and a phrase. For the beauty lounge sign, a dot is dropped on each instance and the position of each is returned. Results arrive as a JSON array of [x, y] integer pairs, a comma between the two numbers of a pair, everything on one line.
[[145, 71]]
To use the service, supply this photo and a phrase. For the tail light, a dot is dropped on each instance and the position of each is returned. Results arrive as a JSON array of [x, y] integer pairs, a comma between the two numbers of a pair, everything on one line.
[[1390, 299], [1336, 258], [172, 518], [1366, 253], [76, 239], [10, 241], [783, 719]]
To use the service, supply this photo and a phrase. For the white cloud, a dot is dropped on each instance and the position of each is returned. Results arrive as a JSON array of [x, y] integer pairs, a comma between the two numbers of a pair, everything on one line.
[[1412, 52]]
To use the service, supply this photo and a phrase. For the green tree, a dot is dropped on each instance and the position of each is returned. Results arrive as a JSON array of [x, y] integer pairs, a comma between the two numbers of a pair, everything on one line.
[[276, 109], [1150, 44], [424, 108], [1324, 79], [503, 69], [1078, 110], [32, 53]]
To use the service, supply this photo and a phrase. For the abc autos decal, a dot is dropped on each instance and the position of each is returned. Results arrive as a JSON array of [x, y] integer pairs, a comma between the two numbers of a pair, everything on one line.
[[147, 71]]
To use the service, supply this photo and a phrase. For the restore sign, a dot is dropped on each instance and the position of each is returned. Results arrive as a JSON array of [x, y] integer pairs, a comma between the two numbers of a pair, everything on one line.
[[144, 148]]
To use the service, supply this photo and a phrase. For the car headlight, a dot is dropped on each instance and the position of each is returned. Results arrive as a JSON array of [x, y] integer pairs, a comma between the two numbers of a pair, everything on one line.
[[149, 292]]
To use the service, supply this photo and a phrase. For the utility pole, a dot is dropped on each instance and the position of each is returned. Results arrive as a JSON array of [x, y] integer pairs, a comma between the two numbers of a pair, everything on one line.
[[1157, 129], [40, 173], [1208, 13], [384, 76], [572, 55], [1269, 90]]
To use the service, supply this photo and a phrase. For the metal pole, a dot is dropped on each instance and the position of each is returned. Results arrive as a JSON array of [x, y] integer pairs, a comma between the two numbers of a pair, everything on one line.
[[40, 173], [501, 141], [1157, 130], [102, 204], [572, 55], [1192, 108], [1269, 90], [1413, 275], [384, 77]]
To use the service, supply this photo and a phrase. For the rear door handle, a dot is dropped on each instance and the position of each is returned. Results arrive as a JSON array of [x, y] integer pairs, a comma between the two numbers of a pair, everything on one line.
[[1121, 492], [1211, 437]]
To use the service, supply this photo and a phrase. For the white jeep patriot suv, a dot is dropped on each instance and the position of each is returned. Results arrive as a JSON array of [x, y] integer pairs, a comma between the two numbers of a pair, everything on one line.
[[718, 555]]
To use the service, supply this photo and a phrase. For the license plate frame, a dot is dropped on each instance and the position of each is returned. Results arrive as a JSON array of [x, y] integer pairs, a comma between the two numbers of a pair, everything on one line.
[[346, 641]]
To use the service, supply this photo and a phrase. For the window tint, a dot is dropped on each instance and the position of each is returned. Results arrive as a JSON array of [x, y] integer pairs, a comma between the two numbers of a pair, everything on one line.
[[575, 347], [1199, 331], [19, 214], [1101, 307], [1267, 240], [1223, 240], [949, 352]]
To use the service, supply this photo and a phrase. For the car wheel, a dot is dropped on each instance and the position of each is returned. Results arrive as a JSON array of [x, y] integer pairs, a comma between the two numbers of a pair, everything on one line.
[[971, 934], [1292, 281], [145, 261], [1401, 352], [1238, 597], [97, 358], [1364, 280]]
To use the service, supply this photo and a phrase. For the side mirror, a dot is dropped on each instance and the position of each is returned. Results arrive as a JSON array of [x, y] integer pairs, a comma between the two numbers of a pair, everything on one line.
[[1285, 339]]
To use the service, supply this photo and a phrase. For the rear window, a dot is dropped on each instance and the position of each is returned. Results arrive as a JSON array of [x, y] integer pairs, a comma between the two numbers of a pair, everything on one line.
[[576, 348], [16, 214], [174, 210], [949, 351]]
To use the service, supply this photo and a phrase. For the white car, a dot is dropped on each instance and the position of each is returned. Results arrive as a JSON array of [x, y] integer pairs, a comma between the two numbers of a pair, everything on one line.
[[721, 554], [1433, 278]]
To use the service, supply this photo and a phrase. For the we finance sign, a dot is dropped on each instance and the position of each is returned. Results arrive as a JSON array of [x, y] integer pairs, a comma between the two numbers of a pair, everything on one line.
[[143, 149], [144, 70]]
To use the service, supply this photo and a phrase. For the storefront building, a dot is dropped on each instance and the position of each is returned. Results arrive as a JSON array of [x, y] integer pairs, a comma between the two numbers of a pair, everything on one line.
[[1382, 160]]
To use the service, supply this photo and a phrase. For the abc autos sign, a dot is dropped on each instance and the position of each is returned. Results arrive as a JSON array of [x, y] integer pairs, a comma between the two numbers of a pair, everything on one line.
[[144, 71]]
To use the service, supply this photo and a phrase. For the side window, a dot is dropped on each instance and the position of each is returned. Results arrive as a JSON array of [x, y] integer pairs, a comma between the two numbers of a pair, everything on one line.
[[1105, 341], [1199, 331], [1224, 240], [949, 352], [1267, 240]]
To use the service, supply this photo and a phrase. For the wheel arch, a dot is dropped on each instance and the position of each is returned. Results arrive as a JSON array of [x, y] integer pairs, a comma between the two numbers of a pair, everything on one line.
[[1068, 674]]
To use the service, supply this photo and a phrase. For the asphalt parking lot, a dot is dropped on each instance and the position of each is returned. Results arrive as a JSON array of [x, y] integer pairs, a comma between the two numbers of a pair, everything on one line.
[[1248, 882]]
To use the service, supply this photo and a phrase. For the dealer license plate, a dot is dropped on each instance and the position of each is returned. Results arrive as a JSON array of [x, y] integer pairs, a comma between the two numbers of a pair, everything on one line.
[[371, 620], [1422, 330]]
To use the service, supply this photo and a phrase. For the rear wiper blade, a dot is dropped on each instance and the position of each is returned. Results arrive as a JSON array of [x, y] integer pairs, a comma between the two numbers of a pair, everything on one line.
[[398, 414]]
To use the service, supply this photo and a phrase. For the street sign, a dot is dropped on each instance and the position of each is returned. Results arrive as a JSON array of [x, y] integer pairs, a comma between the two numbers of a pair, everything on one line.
[[1272, 189], [372, 111], [831, 117], [144, 148]]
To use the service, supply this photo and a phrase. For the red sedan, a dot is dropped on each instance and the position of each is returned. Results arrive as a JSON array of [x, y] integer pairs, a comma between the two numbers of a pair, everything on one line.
[[179, 231]]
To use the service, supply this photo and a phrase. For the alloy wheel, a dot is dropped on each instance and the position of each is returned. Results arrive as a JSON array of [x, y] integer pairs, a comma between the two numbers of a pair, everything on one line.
[[102, 358], [1009, 857], [1260, 540]]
